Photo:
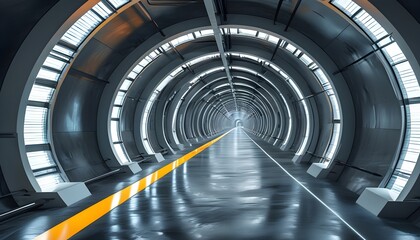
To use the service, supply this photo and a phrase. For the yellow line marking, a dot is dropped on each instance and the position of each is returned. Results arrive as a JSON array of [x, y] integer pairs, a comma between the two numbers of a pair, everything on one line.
[[81, 220]]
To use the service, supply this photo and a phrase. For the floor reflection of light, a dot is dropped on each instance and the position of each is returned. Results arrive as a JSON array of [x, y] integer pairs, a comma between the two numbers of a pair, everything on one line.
[[133, 205], [115, 228], [258, 220], [154, 193], [154, 200], [309, 191], [334, 237], [185, 176], [249, 200], [198, 236], [174, 182], [184, 168], [147, 192]]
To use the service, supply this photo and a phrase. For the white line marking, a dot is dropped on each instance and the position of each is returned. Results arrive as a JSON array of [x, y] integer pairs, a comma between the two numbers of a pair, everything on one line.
[[307, 189]]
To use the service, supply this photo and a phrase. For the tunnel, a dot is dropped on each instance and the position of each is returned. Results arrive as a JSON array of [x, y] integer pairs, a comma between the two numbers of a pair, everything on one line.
[[210, 119]]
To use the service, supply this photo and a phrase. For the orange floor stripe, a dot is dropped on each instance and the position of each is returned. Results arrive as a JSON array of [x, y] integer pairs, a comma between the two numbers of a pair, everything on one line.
[[81, 220]]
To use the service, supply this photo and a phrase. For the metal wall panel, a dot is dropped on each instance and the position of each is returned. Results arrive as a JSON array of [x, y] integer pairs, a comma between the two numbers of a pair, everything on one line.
[[378, 125], [74, 128], [79, 155]]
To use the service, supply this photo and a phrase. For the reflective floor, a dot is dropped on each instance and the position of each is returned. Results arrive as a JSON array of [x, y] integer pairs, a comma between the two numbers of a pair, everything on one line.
[[232, 190]]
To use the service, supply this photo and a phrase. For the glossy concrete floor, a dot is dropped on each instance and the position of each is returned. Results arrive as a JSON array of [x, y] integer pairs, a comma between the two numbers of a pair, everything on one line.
[[232, 190]]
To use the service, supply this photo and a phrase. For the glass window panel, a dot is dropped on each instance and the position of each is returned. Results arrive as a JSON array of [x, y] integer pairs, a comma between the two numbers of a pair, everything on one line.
[[149, 104], [45, 171], [120, 98], [224, 85], [197, 34], [332, 148], [63, 50], [147, 146], [182, 39], [47, 182], [410, 152], [406, 76], [102, 10], [40, 159], [290, 48], [54, 63], [313, 66], [119, 150], [370, 25], [118, 3], [262, 35], [243, 69], [290, 123], [253, 58], [63, 57], [166, 46], [48, 74], [163, 84], [115, 128], [277, 69], [132, 75], [306, 59], [116, 111], [305, 141], [144, 124], [385, 41], [41, 93], [148, 59], [137, 69], [397, 183], [153, 55], [335, 107], [295, 88], [393, 53], [247, 32], [283, 74], [35, 126], [144, 62], [273, 39], [347, 6], [233, 31], [203, 58], [81, 28], [408, 166], [194, 80], [321, 76], [126, 85], [176, 71], [207, 32]]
